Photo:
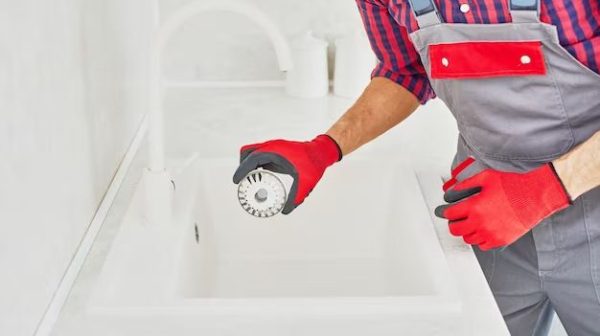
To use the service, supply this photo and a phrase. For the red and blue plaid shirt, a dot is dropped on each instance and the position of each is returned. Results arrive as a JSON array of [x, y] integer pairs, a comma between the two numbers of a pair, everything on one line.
[[388, 23]]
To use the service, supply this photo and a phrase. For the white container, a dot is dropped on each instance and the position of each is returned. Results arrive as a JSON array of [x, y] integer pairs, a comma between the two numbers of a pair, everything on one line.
[[354, 62], [309, 77]]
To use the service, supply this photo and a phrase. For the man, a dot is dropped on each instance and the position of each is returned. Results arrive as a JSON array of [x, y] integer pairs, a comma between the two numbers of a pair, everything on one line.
[[522, 80]]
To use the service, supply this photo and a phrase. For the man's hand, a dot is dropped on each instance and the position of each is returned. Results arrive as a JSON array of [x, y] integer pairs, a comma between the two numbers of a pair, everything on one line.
[[382, 106], [304, 161], [494, 208]]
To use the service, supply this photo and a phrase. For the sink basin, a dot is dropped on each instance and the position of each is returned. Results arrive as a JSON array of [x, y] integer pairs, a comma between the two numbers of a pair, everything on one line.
[[359, 257]]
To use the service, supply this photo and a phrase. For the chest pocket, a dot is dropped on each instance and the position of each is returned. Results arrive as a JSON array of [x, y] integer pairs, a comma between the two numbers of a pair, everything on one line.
[[504, 96]]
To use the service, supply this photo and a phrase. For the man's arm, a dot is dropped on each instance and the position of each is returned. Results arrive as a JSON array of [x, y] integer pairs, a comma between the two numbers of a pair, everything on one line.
[[399, 81], [383, 105], [399, 84], [579, 170]]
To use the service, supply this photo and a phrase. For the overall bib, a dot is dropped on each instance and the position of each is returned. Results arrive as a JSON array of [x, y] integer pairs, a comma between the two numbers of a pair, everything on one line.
[[521, 100]]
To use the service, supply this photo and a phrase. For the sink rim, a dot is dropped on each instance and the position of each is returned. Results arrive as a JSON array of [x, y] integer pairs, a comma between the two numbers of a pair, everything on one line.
[[444, 296]]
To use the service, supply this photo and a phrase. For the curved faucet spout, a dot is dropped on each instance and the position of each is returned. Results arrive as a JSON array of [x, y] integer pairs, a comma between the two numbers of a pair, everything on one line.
[[157, 181], [184, 14], [172, 24]]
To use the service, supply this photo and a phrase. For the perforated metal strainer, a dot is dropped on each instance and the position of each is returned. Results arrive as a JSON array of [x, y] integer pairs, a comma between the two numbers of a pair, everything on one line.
[[262, 193]]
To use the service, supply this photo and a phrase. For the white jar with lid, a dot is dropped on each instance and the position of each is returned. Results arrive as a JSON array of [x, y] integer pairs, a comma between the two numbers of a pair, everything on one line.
[[354, 62], [309, 78]]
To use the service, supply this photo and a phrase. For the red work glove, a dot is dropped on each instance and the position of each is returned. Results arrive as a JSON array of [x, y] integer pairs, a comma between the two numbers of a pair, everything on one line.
[[494, 208], [304, 161]]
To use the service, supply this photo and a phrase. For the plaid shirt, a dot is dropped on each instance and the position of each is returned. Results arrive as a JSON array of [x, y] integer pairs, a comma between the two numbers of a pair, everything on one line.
[[388, 23]]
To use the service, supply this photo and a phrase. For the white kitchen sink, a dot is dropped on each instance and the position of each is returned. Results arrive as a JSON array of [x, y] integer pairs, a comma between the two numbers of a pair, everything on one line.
[[359, 257]]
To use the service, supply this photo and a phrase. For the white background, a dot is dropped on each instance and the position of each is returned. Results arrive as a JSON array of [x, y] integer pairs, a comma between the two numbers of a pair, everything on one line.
[[70, 89]]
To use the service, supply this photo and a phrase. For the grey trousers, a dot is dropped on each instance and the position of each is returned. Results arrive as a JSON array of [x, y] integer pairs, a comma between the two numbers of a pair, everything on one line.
[[554, 268]]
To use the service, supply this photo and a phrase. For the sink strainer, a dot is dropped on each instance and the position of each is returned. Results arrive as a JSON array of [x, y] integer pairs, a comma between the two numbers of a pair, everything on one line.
[[262, 194]]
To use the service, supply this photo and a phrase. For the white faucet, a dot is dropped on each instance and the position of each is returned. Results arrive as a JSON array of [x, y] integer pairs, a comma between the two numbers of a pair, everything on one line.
[[157, 180]]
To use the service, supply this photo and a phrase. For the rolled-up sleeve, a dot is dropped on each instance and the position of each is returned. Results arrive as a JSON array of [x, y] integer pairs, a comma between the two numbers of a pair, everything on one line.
[[398, 59]]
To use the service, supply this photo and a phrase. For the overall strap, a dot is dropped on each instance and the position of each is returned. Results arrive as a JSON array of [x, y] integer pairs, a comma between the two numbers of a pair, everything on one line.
[[525, 10], [426, 12]]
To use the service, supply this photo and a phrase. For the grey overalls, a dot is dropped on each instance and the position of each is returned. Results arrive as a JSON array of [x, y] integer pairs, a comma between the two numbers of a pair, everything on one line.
[[515, 123]]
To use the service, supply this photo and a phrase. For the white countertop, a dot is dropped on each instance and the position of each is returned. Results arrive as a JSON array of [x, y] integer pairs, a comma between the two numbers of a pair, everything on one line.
[[216, 122]]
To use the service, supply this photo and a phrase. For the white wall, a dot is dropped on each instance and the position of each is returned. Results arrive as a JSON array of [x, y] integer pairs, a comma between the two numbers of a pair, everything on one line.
[[70, 88], [209, 48]]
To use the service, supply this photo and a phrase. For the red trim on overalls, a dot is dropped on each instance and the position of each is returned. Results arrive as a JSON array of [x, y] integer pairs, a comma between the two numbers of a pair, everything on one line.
[[486, 59]]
